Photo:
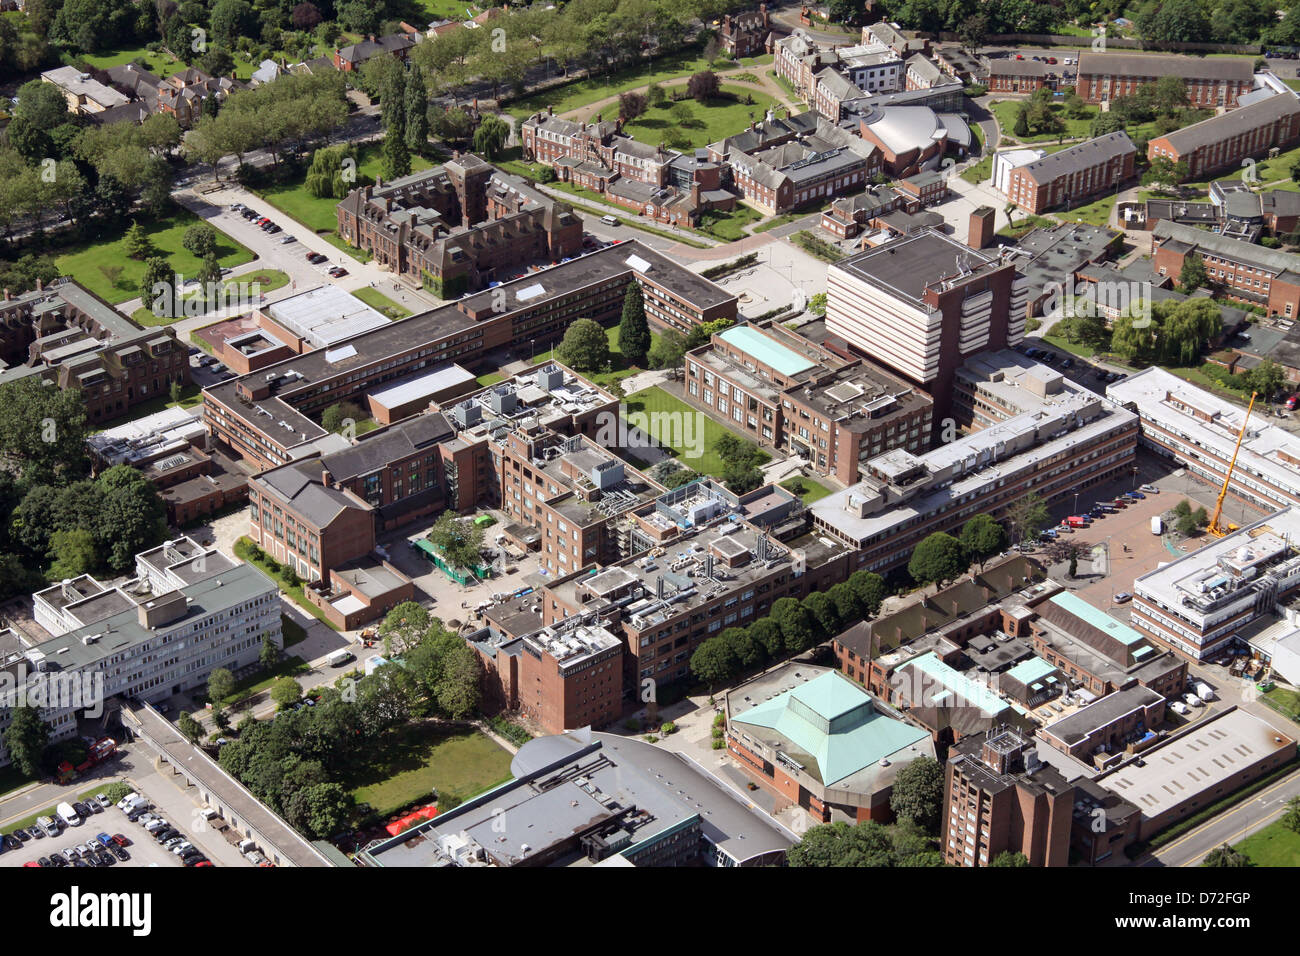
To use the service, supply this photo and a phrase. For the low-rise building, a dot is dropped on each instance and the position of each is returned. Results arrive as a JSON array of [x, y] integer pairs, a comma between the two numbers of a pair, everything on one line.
[[1069, 445], [68, 336], [1199, 431], [1008, 75], [352, 57], [187, 611], [1106, 730], [1197, 767], [1199, 604], [1073, 175], [1267, 278], [586, 798], [85, 95], [1212, 82], [1225, 141], [819, 741], [745, 34]]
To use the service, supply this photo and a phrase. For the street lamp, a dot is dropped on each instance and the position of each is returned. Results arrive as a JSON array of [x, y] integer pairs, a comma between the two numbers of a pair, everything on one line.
[[532, 353]]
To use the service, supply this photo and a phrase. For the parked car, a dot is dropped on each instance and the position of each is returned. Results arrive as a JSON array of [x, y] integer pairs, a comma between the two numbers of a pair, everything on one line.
[[22, 835], [1150, 489], [70, 853], [120, 853], [338, 272], [104, 839], [120, 840], [1123, 597], [203, 862], [288, 239], [1135, 495]]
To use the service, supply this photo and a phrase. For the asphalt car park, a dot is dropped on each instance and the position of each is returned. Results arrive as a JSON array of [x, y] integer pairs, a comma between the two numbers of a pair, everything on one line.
[[142, 850]]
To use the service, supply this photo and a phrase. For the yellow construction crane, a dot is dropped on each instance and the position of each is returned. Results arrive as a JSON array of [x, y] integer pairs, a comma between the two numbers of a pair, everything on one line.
[[1215, 528]]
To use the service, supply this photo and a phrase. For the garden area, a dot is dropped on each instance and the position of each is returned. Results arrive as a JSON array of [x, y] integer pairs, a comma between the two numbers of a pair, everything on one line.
[[1068, 126], [266, 280], [1275, 845], [688, 433], [689, 124], [807, 489], [105, 268], [161, 65], [382, 303], [422, 759], [318, 213], [730, 226], [1096, 213]]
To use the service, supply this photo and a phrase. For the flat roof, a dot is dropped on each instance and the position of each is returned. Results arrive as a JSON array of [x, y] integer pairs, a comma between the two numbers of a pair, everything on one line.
[[421, 386], [765, 350], [1072, 603], [906, 266], [325, 315], [1194, 761]]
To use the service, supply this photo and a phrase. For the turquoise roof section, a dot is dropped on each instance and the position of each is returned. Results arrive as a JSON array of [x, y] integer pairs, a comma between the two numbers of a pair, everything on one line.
[[971, 692], [1031, 670], [833, 721], [1097, 618], [772, 354]]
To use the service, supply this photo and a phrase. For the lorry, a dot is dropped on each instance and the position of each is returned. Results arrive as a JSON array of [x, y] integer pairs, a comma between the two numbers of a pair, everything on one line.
[[339, 658], [68, 815], [1157, 526]]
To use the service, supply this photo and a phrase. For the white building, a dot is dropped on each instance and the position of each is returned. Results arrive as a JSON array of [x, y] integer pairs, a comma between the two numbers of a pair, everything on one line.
[[1199, 431], [1009, 159], [1198, 604]]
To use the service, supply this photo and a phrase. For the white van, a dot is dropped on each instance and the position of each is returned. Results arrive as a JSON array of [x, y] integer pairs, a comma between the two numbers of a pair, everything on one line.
[[68, 815], [245, 846], [609, 220], [122, 804], [339, 658]]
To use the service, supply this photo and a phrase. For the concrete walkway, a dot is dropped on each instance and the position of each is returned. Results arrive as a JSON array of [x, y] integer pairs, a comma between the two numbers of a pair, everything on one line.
[[765, 84]]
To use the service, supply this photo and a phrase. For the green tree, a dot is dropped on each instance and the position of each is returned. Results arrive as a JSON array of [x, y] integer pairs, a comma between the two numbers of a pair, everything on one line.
[[633, 329], [138, 245], [1165, 172], [1027, 516], [458, 689], [405, 626], [75, 552], [417, 111], [1007, 858], [840, 844], [340, 416], [286, 692], [868, 589], [491, 136], [766, 634], [459, 539], [744, 648], [824, 613], [668, 350], [42, 431], [982, 537], [1291, 819], [938, 558], [201, 240], [796, 624], [1108, 122], [1192, 275], [396, 156], [221, 684], [1266, 379], [158, 287], [130, 516], [26, 738], [270, 654], [190, 728], [1021, 127], [918, 793], [585, 347], [713, 662], [1225, 856]]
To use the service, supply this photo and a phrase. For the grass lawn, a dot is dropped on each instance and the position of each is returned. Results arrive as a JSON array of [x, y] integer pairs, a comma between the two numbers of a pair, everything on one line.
[[619, 367], [490, 378], [707, 123], [262, 680], [1094, 213], [1279, 167], [83, 262], [267, 280], [785, 84], [812, 491], [292, 630], [980, 171], [377, 300], [420, 760], [293, 590], [1275, 845], [688, 433], [318, 214], [1083, 351], [782, 220], [161, 65], [1022, 225], [570, 96], [730, 225], [1284, 701], [1006, 110], [432, 10]]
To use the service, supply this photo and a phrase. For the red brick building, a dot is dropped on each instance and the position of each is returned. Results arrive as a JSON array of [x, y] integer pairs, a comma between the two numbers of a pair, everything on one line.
[[1212, 82], [1009, 75], [1264, 277], [745, 34], [998, 798], [1073, 175], [1224, 141]]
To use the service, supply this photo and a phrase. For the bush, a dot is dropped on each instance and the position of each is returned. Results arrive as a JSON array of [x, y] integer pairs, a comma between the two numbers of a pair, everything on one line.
[[719, 744], [719, 720], [651, 739], [117, 791], [668, 728], [632, 724]]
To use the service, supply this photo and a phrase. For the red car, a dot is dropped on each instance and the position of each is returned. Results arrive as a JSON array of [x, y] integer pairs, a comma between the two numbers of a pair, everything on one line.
[[202, 863], [121, 840]]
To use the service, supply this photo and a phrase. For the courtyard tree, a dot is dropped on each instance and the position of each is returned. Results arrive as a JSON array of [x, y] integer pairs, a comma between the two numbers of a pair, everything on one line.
[[221, 684], [459, 539], [585, 346], [918, 793], [633, 329], [937, 559], [26, 738], [982, 537]]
